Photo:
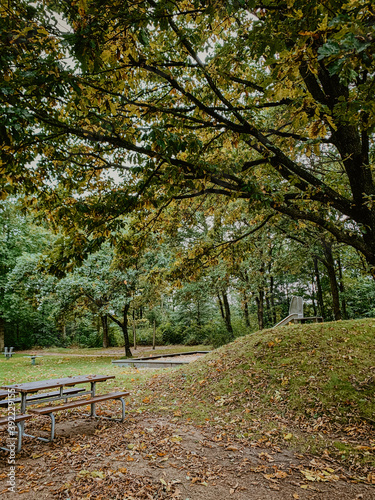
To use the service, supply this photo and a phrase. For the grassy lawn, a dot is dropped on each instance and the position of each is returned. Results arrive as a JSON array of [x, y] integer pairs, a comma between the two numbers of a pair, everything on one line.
[[19, 369], [118, 352]]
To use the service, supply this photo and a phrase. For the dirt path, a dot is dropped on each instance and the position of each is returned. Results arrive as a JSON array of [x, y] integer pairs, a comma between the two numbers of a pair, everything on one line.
[[150, 457]]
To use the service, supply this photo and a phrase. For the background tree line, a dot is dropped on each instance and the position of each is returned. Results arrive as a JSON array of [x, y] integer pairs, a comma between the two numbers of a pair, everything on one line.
[[191, 280]]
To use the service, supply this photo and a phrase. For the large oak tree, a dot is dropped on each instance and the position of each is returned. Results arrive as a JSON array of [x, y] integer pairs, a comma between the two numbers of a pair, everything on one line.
[[268, 101]]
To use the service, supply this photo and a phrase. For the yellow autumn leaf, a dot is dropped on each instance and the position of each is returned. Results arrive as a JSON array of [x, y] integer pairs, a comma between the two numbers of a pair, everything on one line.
[[106, 54]]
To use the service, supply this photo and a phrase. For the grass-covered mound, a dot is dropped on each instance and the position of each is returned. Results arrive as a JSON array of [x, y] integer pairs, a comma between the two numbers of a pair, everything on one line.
[[309, 386]]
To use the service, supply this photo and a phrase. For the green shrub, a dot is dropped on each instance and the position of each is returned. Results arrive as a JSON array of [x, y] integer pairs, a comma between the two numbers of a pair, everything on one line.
[[145, 336], [172, 334], [218, 335], [195, 334], [115, 336]]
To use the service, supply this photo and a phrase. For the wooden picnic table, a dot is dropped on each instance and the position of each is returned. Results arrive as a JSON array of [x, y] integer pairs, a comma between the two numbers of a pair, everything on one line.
[[31, 387], [33, 358]]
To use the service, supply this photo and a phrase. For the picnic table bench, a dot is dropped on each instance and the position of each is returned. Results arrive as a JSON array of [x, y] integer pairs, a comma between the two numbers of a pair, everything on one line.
[[63, 393], [50, 410], [8, 352]]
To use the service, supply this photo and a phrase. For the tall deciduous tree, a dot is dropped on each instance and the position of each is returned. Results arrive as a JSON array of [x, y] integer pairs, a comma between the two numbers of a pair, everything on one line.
[[234, 98], [18, 235]]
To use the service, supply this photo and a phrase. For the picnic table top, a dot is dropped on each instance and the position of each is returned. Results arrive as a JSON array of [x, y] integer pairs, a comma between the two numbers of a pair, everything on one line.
[[56, 382]]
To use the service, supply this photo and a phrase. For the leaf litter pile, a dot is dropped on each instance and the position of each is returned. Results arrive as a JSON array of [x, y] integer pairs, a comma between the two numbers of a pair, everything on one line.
[[282, 414]]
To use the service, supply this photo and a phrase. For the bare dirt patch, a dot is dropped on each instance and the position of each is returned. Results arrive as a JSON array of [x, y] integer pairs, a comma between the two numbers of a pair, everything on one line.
[[153, 457]]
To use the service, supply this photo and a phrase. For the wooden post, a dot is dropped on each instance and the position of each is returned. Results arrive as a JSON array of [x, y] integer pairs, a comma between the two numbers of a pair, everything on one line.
[[135, 343], [154, 336]]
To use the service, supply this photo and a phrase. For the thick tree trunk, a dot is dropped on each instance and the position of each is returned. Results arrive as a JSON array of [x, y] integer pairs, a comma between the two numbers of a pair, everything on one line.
[[221, 306], [330, 266], [104, 320], [125, 332], [124, 327]]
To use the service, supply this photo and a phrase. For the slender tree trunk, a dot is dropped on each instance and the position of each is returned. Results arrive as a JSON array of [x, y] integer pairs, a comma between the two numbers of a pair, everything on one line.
[[313, 295], [260, 297], [272, 300], [221, 306], [2, 333], [319, 288], [268, 309], [134, 335], [198, 313], [227, 318], [342, 290], [154, 336], [104, 320], [330, 266], [246, 309], [125, 333], [260, 308]]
